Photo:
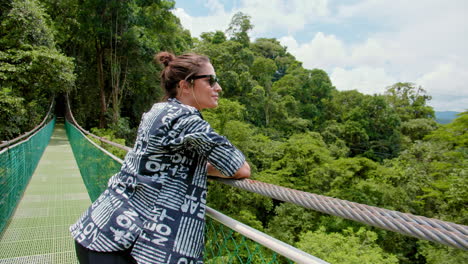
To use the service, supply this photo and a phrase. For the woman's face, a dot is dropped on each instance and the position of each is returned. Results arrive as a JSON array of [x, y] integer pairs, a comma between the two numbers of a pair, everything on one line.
[[206, 88]]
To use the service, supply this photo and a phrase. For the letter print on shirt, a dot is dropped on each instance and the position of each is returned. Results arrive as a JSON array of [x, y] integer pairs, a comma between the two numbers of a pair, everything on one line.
[[157, 201]]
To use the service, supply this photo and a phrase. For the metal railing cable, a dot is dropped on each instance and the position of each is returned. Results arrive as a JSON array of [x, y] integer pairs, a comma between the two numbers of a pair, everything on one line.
[[73, 121], [447, 233], [286, 250], [7, 143], [431, 229], [272, 243]]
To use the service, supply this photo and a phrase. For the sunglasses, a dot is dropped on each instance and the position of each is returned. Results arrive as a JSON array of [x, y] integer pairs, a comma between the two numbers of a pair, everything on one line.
[[212, 81]]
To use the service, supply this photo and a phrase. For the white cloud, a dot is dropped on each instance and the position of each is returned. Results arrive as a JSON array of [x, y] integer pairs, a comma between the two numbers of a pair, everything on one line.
[[417, 35], [321, 52], [447, 84], [214, 6], [280, 15], [445, 79], [197, 25], [370, 53], [364, 79], [449, 103]]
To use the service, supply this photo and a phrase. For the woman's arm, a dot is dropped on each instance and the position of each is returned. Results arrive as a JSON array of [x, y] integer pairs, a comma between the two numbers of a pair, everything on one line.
[[242, 172]]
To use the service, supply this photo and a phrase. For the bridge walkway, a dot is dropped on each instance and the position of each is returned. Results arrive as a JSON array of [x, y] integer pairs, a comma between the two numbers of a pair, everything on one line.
[[53, 200]]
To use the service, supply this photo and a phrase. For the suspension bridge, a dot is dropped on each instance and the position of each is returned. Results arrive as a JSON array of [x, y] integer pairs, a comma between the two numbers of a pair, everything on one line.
[[51, 174]]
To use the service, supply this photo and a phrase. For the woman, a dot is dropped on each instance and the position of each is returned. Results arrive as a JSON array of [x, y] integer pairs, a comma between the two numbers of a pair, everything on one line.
[[153, 209]]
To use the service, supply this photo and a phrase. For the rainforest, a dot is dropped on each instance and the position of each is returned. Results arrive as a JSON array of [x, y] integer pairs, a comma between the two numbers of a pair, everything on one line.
[[295, 128]]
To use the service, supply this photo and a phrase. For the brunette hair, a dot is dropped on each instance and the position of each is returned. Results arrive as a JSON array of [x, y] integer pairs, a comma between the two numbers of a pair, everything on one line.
[[177, 68]]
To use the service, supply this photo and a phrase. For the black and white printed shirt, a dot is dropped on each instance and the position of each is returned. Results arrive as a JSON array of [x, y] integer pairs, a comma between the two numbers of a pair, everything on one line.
[[157, 201]]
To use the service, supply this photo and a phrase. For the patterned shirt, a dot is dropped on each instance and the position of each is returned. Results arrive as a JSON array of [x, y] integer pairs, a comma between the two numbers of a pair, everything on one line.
[[157, 201]]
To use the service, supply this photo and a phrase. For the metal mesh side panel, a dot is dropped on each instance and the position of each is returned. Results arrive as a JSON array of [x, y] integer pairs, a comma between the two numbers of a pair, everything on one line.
[[95, 166], [17, 165]]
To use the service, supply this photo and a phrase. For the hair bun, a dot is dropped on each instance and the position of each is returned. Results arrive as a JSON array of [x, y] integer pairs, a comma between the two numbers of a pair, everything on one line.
[[164, 58]]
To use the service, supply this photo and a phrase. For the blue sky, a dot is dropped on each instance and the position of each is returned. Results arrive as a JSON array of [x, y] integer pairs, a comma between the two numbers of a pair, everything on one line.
[[365, 45]]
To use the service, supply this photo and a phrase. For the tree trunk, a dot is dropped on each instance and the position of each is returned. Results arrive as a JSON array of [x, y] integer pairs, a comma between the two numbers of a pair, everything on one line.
[[101, 83]]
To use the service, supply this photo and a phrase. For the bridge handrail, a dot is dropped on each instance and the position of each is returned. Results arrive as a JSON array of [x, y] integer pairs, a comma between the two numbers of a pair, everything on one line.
[[7, 143], [447, 233]]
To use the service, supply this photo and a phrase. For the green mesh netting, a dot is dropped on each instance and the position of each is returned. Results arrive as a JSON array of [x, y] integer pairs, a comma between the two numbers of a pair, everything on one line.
[[17, 164], [223, 245], [95, 166]]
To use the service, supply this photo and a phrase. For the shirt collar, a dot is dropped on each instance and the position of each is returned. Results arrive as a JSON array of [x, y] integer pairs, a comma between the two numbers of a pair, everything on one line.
[[193, 109]]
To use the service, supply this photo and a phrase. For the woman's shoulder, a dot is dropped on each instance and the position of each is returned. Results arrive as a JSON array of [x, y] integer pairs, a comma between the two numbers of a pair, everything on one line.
[[173, 113]]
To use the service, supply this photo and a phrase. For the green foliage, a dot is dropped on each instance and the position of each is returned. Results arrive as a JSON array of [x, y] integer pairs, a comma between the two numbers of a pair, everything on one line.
[[13, 115], [262, 70], [26, 24], [251, 209], [29, 62], [32, 70], [433, 172], [299, 156], [213, 37], [440, 254], [368, 125], [416, 129], [294, 127], [454, 134], [239, 28], [290, 221], [227, 111], [36, 71], [349, 247], [409, 101], [122, 130], [113, 43], [109, 134]]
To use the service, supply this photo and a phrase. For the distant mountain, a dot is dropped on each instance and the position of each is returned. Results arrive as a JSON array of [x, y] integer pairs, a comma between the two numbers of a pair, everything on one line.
[[445, 117]]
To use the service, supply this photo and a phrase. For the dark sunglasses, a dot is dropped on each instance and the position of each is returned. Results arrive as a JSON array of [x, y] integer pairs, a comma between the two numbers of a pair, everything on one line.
[[212, 81]]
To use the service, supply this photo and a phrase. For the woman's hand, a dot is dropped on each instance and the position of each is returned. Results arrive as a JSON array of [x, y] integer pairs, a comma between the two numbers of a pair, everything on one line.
[[241, 173]]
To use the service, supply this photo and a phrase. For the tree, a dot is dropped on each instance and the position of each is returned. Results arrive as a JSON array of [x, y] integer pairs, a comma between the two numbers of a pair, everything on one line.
[[227, 111], [417, 129], [232, 63], [32, 70], [262, 71], [114, 43], [349, 247], [409, 101], [216, 37], [239, 28], [370, 125], [298, 156], [272, 49], [441, 254], [13, 118]]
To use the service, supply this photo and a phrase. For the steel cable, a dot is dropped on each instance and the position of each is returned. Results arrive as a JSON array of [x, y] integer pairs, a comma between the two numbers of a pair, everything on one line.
[[447, 233]]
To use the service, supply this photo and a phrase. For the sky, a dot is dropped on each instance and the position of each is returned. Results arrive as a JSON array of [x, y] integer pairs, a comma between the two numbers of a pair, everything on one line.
[[364, 45]]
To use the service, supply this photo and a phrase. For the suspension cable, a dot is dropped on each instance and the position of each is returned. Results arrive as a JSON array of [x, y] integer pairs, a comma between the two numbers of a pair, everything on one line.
[[431, 229]]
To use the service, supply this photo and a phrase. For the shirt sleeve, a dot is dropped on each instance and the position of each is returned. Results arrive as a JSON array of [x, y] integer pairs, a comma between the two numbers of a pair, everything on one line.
[[200, 137]]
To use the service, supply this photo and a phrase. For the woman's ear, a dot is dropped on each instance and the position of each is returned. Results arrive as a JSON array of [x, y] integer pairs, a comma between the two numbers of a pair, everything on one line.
[[184, 87]]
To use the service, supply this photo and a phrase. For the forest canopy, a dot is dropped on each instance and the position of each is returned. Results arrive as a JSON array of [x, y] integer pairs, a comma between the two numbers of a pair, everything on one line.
[[295, 128]]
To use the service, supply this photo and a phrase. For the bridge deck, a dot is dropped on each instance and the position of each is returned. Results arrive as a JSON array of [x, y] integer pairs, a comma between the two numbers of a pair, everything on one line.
[[54, 199]]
